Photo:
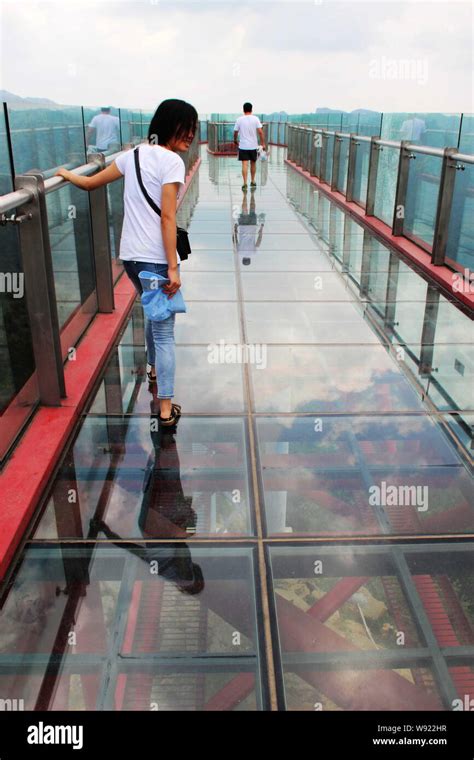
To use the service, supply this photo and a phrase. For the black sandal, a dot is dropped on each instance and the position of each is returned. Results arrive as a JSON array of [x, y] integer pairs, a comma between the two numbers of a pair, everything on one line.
[[171, 421]]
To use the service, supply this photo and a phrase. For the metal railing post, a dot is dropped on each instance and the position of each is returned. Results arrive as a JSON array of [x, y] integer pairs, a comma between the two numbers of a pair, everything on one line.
[[40, 291], [101, 243], [312, 153], [428, 334], [365, 264], [323, 155], [336, 156], [307, 151], [347, 244], [445, 202], [391, 293], [298, 146], [401, 191], [351, 161], [372, 176]]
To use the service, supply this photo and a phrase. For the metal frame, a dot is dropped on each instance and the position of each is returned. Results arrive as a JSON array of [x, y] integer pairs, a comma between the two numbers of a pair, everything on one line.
[[351, 162], [375, 149], [336, 158], [37, 266], [445, 201], [101, 243], [406, 155], [323, 155], [452, 161]]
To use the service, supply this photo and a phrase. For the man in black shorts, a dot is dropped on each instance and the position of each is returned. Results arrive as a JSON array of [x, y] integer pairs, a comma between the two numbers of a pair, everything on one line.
[[248, 126]]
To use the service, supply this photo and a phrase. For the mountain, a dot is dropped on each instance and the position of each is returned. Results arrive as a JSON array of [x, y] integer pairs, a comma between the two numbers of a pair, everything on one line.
[[341, 110], [10, 97]]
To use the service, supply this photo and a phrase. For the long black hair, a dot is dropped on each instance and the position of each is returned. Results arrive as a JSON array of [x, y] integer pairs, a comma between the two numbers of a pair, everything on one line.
[[172, 118]]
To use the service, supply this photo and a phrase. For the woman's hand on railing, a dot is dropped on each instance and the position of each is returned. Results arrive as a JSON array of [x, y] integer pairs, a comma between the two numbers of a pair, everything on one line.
[[62, 172], [103, 177], [74, 179]]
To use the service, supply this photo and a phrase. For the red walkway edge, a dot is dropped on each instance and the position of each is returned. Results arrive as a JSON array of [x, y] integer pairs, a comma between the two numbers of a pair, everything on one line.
[[440, 274], [28, 471]]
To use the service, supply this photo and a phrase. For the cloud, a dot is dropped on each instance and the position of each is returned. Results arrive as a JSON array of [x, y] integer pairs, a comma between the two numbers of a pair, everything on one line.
[[281, 56]]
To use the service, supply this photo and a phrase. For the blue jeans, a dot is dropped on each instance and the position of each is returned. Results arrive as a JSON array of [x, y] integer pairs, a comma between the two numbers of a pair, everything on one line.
[[159, 335]]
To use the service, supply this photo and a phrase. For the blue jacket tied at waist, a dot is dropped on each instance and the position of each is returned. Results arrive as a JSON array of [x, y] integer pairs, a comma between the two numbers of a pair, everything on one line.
[[156, 304]]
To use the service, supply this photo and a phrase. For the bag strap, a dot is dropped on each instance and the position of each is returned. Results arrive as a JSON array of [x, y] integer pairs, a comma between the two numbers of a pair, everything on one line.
[[142, 186]]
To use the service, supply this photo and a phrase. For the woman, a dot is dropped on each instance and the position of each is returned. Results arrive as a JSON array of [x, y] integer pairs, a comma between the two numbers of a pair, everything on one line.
[[148, 241]]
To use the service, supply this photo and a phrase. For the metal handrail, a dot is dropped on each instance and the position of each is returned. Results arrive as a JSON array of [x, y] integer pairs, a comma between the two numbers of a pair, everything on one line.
[[427, 150], [19, 197]]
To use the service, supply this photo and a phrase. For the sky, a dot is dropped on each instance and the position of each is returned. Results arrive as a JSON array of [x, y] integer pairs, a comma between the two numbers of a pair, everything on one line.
[[409, 55]]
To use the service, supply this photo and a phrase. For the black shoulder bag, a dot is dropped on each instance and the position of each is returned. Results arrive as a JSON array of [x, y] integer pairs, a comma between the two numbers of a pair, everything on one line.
[[182, 239]]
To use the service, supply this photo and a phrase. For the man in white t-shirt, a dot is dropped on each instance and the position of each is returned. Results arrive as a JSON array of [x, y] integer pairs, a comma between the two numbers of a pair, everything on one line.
[[249, 128], [107, 131], [247, 231], [413, 130]]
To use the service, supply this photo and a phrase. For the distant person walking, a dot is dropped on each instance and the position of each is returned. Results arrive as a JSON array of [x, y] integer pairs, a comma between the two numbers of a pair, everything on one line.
[[249, 128], [107, 131], [148, 242]]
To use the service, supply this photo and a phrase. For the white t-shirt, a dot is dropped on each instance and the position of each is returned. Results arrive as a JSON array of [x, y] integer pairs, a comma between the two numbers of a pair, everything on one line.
[[247, 234], [412, 129], [247, 127], [141, 232], [107, 130]]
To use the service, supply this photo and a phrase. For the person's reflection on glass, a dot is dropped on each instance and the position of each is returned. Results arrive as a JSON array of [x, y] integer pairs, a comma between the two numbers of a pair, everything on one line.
[[414, 130], [248, 230], [165, 513], [103, 132]]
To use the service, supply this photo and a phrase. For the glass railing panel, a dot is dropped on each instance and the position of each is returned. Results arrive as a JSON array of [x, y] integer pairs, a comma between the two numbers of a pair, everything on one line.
[[131, 127], [369, 124], [361, 170], [341, 183], [460, 242], [71, 250], [350, 122], [387, 171], [354, 246], [436, 129], [115, 219], [44, 138], [329, 154], [466, 137], [336, 225], [18, 385], [102, 130], [422, 198], [146, 117]]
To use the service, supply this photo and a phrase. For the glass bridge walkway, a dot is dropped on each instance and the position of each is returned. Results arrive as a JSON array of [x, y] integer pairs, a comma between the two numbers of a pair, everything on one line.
[[301, 541]]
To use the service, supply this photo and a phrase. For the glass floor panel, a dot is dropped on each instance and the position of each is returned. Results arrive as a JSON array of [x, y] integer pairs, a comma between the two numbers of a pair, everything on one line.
[[374, 628], [332, 379], [85, 624], [306, 323], [143, 482], [339, 476], [303, 539]]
